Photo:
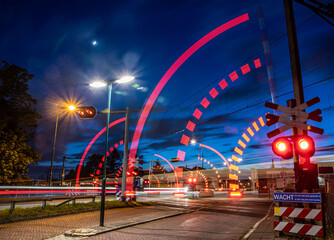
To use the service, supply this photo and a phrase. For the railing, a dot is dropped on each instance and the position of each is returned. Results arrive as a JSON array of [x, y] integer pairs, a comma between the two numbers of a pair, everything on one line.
[[16, 194]]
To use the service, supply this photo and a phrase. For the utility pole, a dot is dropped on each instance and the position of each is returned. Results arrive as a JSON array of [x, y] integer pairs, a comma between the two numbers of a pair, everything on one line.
[[126, 153], [63, 171], [301, 179]]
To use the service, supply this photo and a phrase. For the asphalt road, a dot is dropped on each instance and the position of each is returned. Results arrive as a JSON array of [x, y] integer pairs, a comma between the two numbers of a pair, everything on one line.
[[213, 218]]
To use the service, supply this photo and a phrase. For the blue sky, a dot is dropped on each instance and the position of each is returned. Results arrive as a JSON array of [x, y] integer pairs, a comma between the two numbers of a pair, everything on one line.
[[53, 40]]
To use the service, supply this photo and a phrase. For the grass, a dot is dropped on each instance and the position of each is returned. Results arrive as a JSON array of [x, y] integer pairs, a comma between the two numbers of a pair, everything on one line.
[[52, 210]]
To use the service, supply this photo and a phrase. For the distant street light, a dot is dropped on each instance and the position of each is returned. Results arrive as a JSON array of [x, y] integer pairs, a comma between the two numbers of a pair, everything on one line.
[[70, 108], [99, 84], [193, 142]]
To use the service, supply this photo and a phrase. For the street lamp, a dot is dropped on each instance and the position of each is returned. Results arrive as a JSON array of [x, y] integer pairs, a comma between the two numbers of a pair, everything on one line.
[[71, 108], [193, 142], [99, 84]]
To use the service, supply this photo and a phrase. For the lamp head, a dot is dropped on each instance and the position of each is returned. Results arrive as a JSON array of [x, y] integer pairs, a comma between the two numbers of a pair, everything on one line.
[[125, 79]]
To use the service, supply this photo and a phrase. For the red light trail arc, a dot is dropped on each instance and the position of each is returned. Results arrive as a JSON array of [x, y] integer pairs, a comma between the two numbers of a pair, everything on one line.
[[156, 178], [176, 65], [91, 143], [205, 103], [177, 181]]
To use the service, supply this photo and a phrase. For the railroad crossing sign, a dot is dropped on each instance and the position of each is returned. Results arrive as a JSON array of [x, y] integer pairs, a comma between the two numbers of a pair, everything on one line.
[[298, 117]]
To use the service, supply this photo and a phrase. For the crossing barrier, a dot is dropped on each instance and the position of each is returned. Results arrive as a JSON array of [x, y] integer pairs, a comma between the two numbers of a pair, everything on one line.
[[305, 229], [305, 221]]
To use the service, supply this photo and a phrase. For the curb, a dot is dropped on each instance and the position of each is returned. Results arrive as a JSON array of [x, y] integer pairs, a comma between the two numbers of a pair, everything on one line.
[[258, 223], [100, 230]]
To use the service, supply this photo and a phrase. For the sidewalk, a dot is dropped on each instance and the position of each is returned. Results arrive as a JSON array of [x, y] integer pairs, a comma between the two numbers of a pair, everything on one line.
[[118, 218], [265, 230]]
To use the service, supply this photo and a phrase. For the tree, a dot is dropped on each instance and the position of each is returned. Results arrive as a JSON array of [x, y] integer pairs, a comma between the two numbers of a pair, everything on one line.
[[114, 162], [18, 123], [92, 164]]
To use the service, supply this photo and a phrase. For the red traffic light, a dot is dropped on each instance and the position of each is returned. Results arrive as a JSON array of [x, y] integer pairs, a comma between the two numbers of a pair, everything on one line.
[[305, 146], [192, 180], [87, 112], [282, 147]]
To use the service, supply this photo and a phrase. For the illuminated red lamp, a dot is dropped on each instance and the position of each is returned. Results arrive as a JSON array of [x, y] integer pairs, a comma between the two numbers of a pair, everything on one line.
[[192, 180], [235, 194], [305, 146], [130, 194], [178, 194], [282, 147]]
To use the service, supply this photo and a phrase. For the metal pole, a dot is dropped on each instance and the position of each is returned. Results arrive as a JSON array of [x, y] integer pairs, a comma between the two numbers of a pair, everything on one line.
[[304, 180], [104, 180], [63, 172], [53, 150], [202, 157], [126, 153], [296, 75], [149, 173]]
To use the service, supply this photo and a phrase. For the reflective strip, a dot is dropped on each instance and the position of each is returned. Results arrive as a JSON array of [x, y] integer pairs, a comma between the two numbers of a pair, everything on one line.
[[314, 230], [313, 214], [280, 226], [296, 228], [296, 212]]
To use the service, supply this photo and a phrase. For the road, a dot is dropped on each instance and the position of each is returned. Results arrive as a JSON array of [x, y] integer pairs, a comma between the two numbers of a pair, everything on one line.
[[213, 218], [218, 217]]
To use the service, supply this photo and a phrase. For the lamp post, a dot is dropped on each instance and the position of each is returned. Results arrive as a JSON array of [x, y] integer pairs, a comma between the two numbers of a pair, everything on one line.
[[200, 156], [71, 108], [99, 84]]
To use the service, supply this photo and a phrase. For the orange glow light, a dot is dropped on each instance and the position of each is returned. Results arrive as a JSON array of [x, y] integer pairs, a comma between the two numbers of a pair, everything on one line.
[[235, 194], [241, 143], [261, 121], [256, 127], [250, 131], [237, 150], [245, 137]]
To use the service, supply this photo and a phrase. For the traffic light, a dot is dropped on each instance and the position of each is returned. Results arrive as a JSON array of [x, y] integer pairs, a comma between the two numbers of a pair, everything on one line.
[[305, 146], [282, 147], [192, 180], [87, 112]]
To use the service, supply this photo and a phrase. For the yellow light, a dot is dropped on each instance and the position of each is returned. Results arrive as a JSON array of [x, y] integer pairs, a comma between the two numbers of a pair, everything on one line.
[[303, 144], [71, 108], [281, 146]]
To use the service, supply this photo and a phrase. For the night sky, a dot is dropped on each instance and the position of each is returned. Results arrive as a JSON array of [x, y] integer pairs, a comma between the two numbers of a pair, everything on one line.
[[68, 44]]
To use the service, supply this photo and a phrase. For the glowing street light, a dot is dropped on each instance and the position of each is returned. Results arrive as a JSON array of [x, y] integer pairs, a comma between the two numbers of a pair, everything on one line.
[[71, 108], [99, 84]]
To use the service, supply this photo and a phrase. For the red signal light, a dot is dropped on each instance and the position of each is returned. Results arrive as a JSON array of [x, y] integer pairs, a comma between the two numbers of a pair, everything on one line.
[[195, 180], [190, 180], [87, 112], [282, 147], [305, 146]]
